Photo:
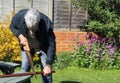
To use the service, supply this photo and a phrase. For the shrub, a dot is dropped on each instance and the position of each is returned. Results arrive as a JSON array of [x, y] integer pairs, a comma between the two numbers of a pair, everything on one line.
[[9, 46], [97, 53], [104, 16], [104, 20], [62, 60]]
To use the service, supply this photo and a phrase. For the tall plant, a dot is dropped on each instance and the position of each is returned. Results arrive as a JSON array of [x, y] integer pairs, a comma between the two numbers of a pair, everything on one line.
[[104, 16], [97, 53]]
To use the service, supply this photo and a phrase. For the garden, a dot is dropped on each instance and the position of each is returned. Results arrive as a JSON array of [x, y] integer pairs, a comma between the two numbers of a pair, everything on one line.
[[97, 60]]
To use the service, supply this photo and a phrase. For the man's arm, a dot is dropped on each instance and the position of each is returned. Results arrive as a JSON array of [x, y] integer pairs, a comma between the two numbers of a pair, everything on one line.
[[50, 53], [51, 48], [14, 28]]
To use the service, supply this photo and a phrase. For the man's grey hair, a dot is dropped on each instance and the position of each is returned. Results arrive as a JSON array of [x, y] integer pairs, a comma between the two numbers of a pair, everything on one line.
[[32, 18]]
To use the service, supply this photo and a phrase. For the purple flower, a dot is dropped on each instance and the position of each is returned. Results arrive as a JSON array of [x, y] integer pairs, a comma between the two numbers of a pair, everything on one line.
[[103, 40], [119, 48], [94, 38], [88, 49], [87, 36], [99, 51], [98, 44], [112, 51], [108, 47]]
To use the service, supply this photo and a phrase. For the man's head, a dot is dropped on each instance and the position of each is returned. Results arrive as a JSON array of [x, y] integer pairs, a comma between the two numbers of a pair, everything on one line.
[[32, 18]]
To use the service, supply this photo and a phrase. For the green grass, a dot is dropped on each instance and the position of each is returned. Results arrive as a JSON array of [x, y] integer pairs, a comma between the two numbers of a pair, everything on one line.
[[80, 75]]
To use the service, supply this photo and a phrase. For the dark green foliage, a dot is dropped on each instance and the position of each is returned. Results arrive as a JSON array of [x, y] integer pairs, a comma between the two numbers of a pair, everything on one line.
[[62, 60], [104, 16]]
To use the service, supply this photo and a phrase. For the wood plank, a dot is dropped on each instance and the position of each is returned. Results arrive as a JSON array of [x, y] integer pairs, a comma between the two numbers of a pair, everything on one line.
[[10, 63], [17, 79]]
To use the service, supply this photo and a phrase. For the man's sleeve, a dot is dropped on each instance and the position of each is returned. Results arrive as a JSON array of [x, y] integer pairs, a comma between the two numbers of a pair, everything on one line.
[[52, 47], [14, 28]]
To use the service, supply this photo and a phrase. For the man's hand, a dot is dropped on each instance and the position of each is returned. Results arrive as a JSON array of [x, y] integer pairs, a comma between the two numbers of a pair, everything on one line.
[[47, 70], [22, 39]]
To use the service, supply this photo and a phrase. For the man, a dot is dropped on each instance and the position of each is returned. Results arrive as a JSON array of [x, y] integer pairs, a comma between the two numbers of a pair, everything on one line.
[[36, 29]]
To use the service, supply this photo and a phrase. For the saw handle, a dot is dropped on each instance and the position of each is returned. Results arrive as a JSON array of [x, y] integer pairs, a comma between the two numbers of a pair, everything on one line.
[[26, 47], [27, 50]]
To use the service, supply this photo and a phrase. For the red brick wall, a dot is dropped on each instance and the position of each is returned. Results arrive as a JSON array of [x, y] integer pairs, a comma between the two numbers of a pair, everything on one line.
[[64, 40]]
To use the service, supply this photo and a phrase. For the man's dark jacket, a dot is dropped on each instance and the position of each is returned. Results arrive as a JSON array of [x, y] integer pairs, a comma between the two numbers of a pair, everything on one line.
[[44, 35]]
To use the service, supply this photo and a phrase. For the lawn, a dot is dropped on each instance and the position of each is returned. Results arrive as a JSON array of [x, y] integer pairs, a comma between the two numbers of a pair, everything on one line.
[[80, 75]]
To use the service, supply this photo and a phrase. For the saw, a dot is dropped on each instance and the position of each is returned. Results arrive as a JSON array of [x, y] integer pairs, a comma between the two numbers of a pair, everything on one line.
[[22, 74], [27, 51]]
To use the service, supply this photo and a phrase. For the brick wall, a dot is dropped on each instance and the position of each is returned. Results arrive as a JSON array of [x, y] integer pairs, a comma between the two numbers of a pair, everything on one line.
[[64, 40]]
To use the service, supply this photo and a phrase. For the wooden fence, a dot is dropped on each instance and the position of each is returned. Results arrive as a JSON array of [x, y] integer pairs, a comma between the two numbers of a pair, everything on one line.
[[63, 14], [8, 6], [67, 16]]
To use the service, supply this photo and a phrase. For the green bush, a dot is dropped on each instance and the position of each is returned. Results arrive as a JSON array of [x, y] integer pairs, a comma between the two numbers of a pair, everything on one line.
[[101, 52], [62, 60], [96, 53], [104, 16]]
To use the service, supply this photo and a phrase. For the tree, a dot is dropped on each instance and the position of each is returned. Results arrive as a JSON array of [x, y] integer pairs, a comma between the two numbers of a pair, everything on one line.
[[104, 16]]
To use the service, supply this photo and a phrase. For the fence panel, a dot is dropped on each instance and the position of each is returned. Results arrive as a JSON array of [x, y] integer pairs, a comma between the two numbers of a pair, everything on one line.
[[67, 16], [8, 6]]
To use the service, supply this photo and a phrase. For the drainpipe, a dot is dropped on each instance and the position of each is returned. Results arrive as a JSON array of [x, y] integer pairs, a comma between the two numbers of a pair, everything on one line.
[[70, 14], [31, 3], [13, 12], [53, 12]]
